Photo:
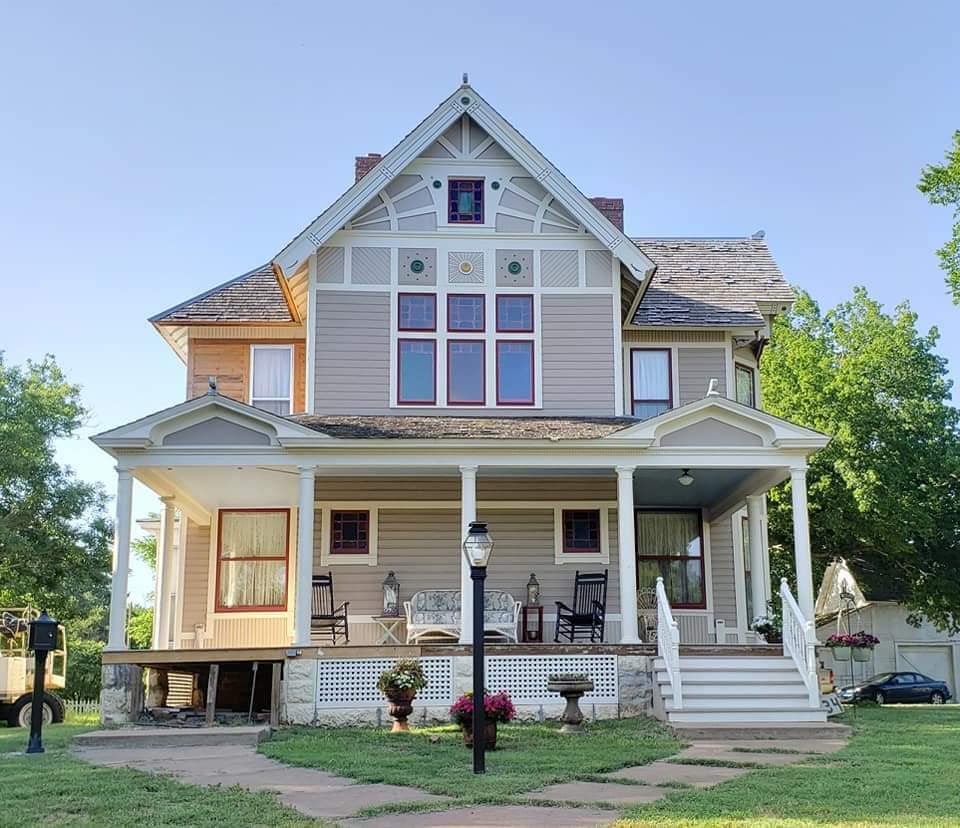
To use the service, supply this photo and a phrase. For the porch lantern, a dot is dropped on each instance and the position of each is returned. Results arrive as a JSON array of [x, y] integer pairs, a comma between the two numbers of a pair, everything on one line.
[[533, 590], [43, 639], [685, 479], [477, 546], [391, 596]]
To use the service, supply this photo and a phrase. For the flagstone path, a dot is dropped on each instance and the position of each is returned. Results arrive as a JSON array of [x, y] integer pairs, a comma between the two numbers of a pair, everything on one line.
[[585, 804]]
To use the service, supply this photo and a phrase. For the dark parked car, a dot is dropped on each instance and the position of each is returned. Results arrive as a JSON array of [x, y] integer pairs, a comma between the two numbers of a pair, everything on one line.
[[903, 688]]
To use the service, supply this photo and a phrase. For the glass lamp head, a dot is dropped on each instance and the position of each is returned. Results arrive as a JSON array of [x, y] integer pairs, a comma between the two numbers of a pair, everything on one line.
[[478, 544]]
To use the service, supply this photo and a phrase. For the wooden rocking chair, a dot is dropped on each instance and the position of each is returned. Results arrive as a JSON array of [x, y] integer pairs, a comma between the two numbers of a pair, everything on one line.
[[586, 618], [326, 619]]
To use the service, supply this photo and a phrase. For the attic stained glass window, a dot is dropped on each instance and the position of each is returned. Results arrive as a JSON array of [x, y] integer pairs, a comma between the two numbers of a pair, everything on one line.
[[465, 200]]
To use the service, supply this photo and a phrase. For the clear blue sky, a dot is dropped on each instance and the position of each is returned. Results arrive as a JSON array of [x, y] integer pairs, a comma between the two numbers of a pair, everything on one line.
[[150, 151]]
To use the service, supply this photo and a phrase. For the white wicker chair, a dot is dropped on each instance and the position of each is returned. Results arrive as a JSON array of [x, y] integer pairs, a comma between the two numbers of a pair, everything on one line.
[[647, 614]]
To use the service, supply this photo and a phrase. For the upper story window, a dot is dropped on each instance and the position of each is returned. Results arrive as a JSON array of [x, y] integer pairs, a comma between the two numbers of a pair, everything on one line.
[[514, 372], [271, 378], [650, 381], [417, 312], [465, 312], [252, 549], [515, 314], [746, 385], [466, 374], [465, 201], [417, 371]]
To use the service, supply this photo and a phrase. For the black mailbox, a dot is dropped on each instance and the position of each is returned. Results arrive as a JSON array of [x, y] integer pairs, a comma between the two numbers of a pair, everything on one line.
[[43, 633]]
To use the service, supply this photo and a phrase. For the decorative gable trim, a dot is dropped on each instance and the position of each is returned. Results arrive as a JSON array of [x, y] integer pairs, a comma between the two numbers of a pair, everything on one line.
[[747, 428], [210, 421], [464, 100]]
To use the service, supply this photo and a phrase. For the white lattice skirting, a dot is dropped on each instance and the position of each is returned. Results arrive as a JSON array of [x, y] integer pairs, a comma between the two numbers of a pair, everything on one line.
[[352, 683]]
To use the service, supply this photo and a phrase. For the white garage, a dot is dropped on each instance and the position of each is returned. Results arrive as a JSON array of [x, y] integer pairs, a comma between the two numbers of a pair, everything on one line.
[[933, 660]]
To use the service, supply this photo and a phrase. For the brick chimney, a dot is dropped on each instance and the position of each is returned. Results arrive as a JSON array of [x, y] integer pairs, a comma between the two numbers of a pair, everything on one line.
[[612, 209], [364, 163]]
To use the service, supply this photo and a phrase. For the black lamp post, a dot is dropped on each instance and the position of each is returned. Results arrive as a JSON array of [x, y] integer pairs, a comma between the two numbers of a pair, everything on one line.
[[43, 639], [477, 547]]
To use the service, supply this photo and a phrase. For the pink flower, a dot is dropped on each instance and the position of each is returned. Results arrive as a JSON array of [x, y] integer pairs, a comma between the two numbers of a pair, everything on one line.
[[497, 707]]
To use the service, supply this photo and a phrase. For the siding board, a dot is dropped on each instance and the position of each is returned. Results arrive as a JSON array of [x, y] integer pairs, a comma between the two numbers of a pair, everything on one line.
[[722, 570], [196, 569], [696, 367]]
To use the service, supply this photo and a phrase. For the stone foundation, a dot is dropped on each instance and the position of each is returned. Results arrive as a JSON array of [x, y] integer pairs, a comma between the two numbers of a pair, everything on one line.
[[121, 696], [299, 698]]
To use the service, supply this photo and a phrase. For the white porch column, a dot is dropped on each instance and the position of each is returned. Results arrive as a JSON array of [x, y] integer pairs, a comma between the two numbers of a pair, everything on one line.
[[165, 574], [627, 556], [304, 580], [758, 591], [117, 638], [468, 514], [801, 541]]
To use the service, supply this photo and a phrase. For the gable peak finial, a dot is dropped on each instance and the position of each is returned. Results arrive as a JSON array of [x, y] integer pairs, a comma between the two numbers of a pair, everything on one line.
[[712, 388], [758, 235], [212, 385], [466, 79]]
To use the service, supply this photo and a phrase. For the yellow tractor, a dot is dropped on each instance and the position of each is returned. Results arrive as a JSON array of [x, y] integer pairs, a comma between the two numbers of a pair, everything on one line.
[[16, 670]]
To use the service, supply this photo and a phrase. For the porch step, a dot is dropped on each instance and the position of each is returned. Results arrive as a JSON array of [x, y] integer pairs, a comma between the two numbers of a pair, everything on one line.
[[731, 717], [740, 690], [720, 676], [146, 737], [760, 730], [753, 703], [759, 663]]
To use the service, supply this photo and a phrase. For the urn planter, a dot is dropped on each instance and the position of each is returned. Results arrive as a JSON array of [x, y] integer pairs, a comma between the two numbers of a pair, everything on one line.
[[489, 734], [400, 706], [572, 688]]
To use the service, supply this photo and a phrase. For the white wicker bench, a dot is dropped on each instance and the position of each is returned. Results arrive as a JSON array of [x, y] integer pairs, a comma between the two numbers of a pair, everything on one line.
[[436, 613]]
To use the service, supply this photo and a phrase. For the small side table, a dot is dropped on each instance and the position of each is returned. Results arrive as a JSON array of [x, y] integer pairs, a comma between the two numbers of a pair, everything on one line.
[[531, 632], [390, 627]]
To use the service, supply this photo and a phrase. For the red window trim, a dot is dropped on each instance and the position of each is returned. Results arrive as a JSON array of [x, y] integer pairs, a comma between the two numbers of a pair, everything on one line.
[[400, 297], [483, 371], [286, 559], [703, 551], [496, 312], [483, 312], [483, 199], [563, 528], [633, 393], [400, 368], [333, 548], [741, 366], [533, 379]]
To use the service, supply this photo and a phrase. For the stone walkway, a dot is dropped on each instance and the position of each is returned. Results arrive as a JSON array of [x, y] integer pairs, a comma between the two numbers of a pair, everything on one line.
[[323, 795]]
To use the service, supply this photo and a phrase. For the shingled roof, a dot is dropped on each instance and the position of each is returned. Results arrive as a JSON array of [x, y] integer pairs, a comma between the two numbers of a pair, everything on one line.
[[709, 282], [399, 427], [256, 296]]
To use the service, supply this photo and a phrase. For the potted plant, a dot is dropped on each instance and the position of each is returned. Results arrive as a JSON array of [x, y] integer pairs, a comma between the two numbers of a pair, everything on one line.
[[769, 627], [571, 686], [840, 645], [863, 645], [497, 707], [400, 685]]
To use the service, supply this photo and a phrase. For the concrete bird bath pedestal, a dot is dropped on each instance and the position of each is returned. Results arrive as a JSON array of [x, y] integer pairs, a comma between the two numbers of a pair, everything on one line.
[[571, 686]]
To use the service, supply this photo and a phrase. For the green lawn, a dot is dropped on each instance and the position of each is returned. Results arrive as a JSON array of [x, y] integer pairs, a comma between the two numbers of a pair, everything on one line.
[[902, 767], [528, 756], [56, 789]]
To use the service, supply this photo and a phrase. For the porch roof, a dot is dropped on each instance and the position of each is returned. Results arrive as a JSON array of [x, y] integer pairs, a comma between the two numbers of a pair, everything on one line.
[[404, 427]]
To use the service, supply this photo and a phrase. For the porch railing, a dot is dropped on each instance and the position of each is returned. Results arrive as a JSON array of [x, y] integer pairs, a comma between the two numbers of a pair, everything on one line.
[[800, 642], [668, 643]]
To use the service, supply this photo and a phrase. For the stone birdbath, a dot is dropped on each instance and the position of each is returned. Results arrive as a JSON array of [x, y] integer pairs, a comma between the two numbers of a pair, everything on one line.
[[571, 686]]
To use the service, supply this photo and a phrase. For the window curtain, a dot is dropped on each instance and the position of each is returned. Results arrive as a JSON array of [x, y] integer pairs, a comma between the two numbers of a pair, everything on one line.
[[271, 378], [668, 546], [651, 375], [245, 581]]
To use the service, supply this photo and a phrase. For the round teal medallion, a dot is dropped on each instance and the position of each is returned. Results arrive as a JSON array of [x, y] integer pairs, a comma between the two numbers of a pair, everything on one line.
[[417, 266], [514, 267]]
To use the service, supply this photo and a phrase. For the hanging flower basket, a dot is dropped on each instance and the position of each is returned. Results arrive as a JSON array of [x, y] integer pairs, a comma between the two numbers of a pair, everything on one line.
[[862, 653], [859, 645]]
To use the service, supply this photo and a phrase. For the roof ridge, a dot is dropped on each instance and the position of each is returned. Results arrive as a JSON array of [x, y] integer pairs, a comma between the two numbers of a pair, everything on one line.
[[694, 238]]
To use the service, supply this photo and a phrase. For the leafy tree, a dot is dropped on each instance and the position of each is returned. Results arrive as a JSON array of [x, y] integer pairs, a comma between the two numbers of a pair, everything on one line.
[[145, 547], [54, 533], [140, 627], [885, 494], [940, 183]]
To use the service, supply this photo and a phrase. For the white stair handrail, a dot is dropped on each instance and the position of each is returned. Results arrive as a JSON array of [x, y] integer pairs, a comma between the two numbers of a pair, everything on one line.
[[800, 642], [668, 643]]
